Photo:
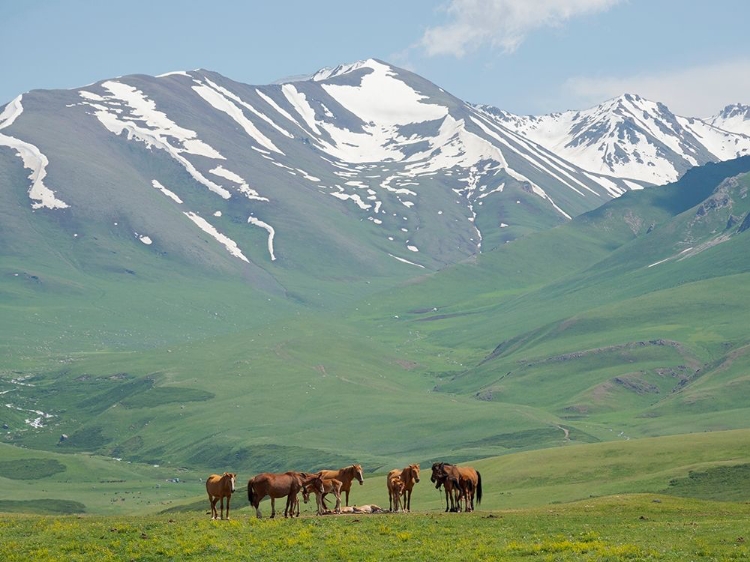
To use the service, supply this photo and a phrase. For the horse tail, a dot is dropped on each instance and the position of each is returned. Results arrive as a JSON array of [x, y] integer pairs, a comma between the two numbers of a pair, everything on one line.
[[250, 491], [479, 488]]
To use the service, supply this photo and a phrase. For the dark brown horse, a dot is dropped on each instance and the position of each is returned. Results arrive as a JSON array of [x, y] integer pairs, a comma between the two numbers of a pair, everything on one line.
[[274, 485], [409, 476], [345, 475], [218, 488]]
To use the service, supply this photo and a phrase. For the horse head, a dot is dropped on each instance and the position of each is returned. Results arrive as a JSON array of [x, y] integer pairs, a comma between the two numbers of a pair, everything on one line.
[[358, 474], [232, 477], [415, 471], [311, 483], [438, 474]]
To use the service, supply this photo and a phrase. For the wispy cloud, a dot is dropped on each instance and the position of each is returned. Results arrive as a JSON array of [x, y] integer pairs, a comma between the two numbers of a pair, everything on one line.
[[699, 91], [500, 23]]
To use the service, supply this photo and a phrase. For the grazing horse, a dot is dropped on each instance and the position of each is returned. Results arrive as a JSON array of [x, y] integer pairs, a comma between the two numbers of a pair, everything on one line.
[[346, 475], [218, 488], [274, 485], [469, 483], [396, 489], [330, 486], [410, 476]]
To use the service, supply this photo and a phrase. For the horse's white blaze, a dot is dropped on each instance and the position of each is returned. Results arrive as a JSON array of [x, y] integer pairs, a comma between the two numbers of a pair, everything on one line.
[[233, 484]]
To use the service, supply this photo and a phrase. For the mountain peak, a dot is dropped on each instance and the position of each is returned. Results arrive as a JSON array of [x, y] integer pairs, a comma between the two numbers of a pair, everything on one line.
[[734, 118]]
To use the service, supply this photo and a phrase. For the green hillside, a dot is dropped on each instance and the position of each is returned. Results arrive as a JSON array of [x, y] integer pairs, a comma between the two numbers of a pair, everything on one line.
[[626, 323]]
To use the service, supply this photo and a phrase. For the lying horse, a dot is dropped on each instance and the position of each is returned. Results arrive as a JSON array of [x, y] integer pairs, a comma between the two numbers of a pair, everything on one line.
[[218, 488], [409, 476], [345, 475], [276, 486]]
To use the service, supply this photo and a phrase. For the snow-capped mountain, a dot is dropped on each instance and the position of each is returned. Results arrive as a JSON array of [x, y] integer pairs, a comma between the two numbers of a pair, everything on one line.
[[733, 118], [630, 137], [366, 166]]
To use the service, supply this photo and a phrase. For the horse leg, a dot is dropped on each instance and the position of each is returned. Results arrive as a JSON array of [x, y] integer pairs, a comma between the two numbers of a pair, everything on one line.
[[213, 507], [221, 518], [228, 498], [337, 509], [273, 507]]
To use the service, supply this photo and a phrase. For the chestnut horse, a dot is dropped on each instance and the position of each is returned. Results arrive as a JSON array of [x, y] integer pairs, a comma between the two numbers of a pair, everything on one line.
[[346, 475], [409, 476], [277, 485], [218, 488]]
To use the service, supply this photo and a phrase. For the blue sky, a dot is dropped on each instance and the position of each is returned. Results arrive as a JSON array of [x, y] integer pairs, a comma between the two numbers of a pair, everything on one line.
[[524, 56]]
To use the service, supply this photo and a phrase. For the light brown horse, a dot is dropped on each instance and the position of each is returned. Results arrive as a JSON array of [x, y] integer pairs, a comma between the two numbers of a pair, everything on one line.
[[410, 476], [395, 491], [346, 475], [274, 485], [218, 488], [330, 486]]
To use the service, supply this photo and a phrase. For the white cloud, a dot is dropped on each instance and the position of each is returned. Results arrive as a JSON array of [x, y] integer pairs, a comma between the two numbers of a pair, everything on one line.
[[699, 91], [500, 23]]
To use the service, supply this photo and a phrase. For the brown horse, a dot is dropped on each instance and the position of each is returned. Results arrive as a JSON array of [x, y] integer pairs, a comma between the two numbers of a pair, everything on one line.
[[410, 476], [449, 480], [469, 483], [346, 475], [396, 489], [274, 485], [218, 488], [330, 486]]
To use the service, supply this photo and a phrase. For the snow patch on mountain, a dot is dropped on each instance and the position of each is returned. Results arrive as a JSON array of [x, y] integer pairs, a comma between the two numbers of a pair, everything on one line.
[[214, 95], [209, 229], [166, 191], [148, 125], [32, 158], [271, 233], [244, 188]]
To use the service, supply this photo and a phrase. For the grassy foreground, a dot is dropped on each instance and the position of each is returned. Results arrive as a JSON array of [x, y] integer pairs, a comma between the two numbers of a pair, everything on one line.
[[630, 527]]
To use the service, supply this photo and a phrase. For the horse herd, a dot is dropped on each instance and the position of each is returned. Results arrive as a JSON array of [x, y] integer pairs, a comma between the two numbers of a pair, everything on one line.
[[461, 484]]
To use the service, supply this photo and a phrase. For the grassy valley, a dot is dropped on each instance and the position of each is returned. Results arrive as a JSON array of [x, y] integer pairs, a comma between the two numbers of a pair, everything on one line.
[[577, 344]]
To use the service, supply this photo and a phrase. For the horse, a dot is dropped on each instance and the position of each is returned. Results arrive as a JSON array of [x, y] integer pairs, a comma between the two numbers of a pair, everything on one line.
[[450, 481], [330, 486], [346, 475], [410, 476], [274, 485], [395, 491], [469, 482], [313, 486], [218, 488], [367, 508]]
